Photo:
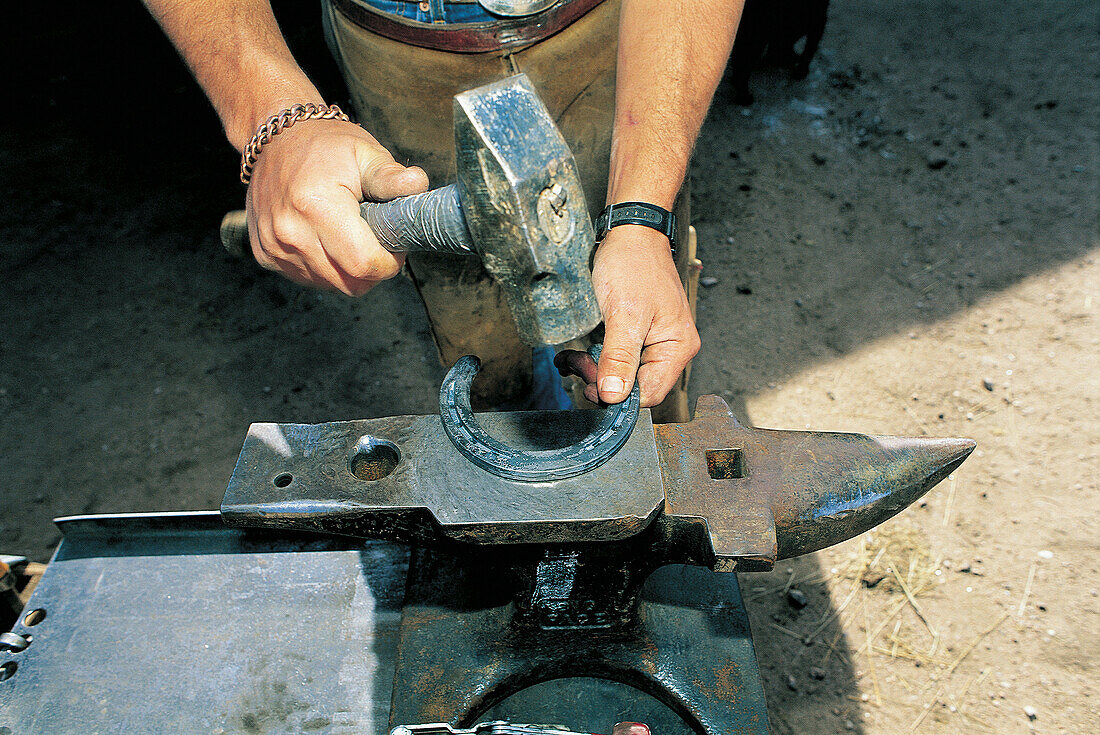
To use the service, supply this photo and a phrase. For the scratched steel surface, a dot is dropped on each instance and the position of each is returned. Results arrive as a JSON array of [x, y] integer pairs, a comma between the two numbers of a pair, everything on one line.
[[428, 488], [175, 623]]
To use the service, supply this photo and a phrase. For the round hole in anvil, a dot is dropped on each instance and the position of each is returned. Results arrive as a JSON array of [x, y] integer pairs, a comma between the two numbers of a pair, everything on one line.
[[373, 458]]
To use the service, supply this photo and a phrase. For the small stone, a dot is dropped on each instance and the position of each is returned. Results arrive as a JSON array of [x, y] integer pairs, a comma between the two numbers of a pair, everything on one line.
[[792, 684], [987, 384], [872, 577], [818, 673], [849, 725], [796, 599], [818, 159], [935, 163], [708, 281], [1031, 712], [1046, 554]]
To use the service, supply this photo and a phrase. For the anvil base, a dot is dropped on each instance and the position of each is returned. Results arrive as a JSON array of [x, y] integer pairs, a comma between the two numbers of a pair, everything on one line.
[[689, 647]]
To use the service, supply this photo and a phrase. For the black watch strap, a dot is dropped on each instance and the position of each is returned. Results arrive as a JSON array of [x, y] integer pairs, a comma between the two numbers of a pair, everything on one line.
[[637, 213]]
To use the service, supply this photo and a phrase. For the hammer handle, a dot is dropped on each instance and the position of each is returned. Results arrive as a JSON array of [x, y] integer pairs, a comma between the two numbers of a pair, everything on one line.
[[430, 222]]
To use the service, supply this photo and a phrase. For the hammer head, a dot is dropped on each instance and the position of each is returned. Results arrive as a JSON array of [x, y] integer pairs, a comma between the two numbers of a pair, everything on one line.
[[524, 206]]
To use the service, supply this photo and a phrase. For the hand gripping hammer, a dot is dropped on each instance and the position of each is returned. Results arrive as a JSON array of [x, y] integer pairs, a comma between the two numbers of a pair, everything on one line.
[[517, 203]]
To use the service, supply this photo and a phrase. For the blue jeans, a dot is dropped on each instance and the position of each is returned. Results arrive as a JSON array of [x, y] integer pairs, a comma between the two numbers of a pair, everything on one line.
[[438, 11]]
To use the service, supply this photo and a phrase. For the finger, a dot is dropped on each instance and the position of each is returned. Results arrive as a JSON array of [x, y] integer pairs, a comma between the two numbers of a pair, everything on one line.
[[289, 245], [384, 180], [656, 379], [618, 366], [576, 362], [662, 365], [352, 248]]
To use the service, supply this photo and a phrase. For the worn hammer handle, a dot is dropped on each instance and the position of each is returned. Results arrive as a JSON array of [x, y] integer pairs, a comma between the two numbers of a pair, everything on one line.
[[431, 222]]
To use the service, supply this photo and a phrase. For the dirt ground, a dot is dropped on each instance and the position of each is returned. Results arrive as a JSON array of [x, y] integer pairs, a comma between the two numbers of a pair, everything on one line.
[[906, 242]]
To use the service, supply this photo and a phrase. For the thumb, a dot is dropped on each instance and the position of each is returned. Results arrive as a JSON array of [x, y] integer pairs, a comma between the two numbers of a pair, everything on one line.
[[618, 366], [386, 179]]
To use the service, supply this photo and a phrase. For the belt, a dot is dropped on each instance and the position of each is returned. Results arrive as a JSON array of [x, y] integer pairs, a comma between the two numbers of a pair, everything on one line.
[[467, 38]]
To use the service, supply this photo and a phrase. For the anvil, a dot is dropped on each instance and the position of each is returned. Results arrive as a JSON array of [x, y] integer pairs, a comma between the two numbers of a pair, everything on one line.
[[519, 582]]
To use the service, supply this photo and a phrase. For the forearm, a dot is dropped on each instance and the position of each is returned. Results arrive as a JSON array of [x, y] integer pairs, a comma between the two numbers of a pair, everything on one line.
[[671, 57], [238, 55]]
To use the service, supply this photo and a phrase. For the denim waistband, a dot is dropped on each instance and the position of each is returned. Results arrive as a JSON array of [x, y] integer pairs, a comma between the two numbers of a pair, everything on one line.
[[434, 11]]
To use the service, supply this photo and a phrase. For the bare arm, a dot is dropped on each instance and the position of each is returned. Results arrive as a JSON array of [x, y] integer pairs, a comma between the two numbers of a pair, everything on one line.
[[303, 202], [238, 55], [671, 57]]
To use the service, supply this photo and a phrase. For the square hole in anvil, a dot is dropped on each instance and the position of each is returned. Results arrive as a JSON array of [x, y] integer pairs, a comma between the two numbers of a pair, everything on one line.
[[725, 464]]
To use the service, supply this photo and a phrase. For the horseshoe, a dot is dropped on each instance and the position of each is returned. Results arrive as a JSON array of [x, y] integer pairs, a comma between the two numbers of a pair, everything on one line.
[[542, 465]]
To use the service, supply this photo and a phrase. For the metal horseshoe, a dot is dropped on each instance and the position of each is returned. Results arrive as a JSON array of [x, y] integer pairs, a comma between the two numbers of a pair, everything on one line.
[[538, 465]]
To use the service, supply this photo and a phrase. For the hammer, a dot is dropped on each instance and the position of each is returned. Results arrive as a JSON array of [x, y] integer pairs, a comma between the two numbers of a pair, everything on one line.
[[517, 203]]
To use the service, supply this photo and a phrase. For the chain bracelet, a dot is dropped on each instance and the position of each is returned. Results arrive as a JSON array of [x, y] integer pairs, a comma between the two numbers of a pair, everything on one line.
[[277, 123]]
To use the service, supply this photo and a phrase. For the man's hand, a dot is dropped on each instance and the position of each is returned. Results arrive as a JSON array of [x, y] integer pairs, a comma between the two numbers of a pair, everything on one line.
[[303, 202], [647, 320], [303, 205]]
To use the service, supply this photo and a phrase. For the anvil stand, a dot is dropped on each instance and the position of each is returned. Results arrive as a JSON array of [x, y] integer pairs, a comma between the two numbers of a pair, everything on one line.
[[474, 632]]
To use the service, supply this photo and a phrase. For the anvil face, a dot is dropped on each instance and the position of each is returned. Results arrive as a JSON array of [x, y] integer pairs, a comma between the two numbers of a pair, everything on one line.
[[400, 478], [710, 491]]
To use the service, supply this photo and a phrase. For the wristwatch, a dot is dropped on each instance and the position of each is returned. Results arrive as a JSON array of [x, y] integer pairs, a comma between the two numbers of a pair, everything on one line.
[[637, 213]]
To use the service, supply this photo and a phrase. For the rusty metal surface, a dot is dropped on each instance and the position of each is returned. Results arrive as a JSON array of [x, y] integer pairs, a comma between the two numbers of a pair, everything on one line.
[[766, 494], [690, 647], [400, 478]]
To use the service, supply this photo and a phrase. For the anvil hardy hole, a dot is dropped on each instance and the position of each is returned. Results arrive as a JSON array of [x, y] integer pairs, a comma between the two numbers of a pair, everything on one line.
[[373, 458], [283, 480], [7, 670], [725, 464]]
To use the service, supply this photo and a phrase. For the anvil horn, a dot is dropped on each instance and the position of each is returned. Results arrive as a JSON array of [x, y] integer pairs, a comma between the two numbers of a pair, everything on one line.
[[851, 483], [768, 494]]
